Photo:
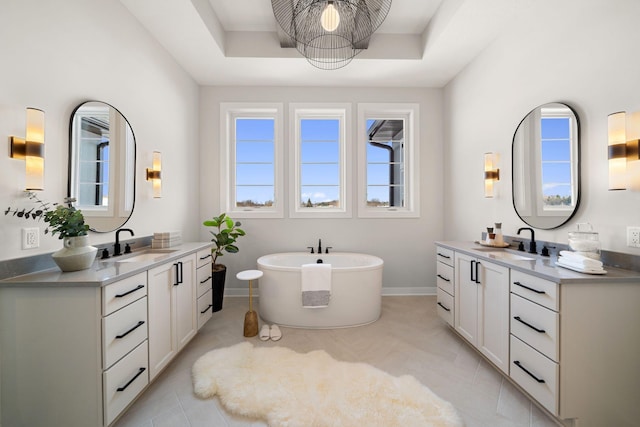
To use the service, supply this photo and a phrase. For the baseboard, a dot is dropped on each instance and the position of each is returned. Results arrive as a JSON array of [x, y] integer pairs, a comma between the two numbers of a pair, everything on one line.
[[399, 291]]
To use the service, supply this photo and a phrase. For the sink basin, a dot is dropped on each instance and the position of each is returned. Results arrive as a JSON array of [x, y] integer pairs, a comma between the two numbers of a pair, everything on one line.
[[148, 255], [507, 256]]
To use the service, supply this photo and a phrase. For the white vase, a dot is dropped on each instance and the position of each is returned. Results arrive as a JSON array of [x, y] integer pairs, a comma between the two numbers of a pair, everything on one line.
[[76, 254]]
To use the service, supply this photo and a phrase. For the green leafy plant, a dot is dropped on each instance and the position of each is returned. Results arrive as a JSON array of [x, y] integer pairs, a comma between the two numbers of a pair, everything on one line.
[[65, 220], [224, 237]]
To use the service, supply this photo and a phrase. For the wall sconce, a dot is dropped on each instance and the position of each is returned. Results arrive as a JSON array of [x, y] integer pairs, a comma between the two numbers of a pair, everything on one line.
[[154, 174], [491, 173], [621, 127], [31, 149]]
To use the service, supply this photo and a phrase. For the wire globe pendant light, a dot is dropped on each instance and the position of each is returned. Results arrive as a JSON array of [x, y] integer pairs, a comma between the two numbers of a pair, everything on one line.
[[329, 33]]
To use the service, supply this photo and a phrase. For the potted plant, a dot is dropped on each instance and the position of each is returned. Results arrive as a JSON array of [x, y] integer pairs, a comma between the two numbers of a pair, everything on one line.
[[68, 222], [226, 233]]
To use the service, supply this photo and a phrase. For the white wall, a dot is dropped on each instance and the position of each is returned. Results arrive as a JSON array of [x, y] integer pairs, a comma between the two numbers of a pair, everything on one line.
[[57, 54], [405, 245], [583, 53]]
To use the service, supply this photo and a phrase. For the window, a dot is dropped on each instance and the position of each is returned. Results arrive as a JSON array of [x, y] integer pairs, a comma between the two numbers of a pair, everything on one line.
[[319, 156], [250, 160], [387, 152]]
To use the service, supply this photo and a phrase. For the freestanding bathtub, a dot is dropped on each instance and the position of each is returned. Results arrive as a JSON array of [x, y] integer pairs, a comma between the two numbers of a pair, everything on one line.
[[356, 290]]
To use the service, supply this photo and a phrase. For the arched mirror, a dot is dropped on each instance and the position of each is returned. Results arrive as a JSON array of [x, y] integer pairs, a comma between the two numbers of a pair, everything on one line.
[[546, 166], [102, 163]]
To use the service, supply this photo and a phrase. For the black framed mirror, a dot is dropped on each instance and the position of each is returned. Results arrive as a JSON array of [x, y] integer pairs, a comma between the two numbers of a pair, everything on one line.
[[546, 166], [102, 164]]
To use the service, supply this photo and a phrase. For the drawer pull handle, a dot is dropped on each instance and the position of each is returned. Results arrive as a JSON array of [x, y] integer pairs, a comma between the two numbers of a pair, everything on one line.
[[206, 309], [140, 323], [440, 304], [124, 387], [531, 289], [519, 365], [130, 292], [444, 256], [542, 331], [205, 280], [205, 257], [443, 278]]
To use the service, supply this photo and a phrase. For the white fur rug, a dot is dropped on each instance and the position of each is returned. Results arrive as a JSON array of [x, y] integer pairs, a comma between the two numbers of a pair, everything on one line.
[[289, 389]]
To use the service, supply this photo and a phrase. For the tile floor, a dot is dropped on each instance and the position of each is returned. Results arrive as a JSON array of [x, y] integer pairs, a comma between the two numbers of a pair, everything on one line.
[[409, 338]]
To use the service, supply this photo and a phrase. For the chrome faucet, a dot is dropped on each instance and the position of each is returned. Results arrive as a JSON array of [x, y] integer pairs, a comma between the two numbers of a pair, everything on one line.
[[116, 246], [532, 243]]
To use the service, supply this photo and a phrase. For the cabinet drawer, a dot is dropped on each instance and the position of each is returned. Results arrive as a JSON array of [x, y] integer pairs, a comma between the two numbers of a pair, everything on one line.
[[533, 288], [205, 302], [536, 373], [203, 257], [123, 330], [445, 306], [444, 255], [535, 325], [444, 275], [118, 294], [204, 279], [124, 381]]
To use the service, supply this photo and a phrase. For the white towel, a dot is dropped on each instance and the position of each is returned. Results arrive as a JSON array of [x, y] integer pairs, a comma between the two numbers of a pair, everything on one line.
[[316, 285], [567, 262], [577, 258]]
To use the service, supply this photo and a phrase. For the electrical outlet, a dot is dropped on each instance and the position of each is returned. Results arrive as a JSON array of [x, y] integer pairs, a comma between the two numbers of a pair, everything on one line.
[[633, 237], [30, 238]]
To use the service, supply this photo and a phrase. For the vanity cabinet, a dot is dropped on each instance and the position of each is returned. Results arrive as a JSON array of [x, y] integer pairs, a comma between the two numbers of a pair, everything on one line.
[[445, 279], [482, 307], [172, 310], [204, 292]]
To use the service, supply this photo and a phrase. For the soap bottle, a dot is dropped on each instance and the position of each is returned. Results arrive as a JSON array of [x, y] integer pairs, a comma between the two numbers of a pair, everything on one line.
[[499, 240], [490, 236]]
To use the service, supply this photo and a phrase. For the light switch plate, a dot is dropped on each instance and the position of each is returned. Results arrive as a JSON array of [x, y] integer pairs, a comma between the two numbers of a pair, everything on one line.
[[633, 237]]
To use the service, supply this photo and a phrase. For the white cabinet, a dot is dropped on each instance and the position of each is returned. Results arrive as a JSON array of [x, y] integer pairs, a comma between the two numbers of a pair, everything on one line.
[[482, 307], [172, 310], [445, 279], [204, 292]]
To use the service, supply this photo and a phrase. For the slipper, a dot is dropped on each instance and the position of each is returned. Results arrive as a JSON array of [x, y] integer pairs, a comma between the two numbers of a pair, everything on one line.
[[264, 332], [275, 333]]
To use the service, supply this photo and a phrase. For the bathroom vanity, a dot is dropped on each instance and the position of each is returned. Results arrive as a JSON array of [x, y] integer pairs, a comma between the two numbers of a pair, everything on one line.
[[77, 348], [569, 340]]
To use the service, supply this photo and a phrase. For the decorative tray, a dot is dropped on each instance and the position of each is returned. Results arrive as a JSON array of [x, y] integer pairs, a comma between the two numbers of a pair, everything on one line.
[[580, 270], [493, 245]]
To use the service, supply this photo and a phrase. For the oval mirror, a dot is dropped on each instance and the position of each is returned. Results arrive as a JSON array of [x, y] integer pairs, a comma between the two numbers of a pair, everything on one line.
[[546, 166], [102, 163]]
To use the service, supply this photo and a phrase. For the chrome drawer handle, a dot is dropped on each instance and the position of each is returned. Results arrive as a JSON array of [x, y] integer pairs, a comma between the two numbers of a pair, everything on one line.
[[519, 365], [440, 304], [443, 278], [531, 289], [444, 256], [140, 323], [206, 309], [542, 331], [130, 292], [124, 387]]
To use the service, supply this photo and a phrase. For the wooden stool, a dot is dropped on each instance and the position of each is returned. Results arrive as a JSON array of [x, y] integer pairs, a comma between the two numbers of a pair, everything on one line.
[[251, 317]]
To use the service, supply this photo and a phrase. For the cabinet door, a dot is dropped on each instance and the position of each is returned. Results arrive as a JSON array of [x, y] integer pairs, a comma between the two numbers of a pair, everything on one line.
[[162, 343], [493, 313], [186, 319], [466, 298]]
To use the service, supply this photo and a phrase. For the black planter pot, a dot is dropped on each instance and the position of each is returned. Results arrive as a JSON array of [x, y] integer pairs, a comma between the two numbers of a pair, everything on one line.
[[218, 288]]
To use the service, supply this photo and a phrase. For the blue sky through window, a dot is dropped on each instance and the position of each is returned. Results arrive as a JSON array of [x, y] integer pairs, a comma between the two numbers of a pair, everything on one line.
[[556, 158]]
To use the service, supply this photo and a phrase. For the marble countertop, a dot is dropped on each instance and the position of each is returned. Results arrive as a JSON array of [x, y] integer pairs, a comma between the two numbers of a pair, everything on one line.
[[102, 272], [543, 267]]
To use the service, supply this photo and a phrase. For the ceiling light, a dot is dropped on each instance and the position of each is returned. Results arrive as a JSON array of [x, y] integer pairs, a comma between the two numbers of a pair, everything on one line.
[[329, 33]]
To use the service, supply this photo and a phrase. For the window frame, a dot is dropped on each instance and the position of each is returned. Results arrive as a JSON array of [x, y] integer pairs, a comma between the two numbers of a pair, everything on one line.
[[298, 112], [410, 113], [229, 112]]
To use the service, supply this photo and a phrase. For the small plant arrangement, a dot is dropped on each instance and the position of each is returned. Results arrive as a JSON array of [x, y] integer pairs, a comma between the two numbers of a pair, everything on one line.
[[224, 237], [65, 220]]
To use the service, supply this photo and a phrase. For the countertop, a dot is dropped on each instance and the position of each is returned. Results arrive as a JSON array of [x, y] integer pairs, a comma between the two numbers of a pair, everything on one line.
[[102, 272], [544, 267]]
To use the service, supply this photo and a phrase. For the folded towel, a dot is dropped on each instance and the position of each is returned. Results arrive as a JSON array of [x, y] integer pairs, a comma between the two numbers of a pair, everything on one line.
[[564, 261], [578, 258], [167, 235], [316, 285]]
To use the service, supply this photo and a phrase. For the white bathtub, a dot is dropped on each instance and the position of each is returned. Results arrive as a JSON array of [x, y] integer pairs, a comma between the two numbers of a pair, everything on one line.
[[356, 290]]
